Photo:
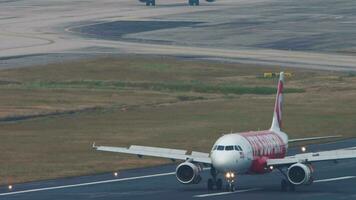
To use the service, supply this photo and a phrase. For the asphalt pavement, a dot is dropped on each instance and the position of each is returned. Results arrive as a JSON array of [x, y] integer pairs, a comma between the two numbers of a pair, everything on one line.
[[332, 181]]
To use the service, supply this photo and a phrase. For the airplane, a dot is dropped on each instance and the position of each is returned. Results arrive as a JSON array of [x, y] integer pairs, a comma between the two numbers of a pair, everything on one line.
[[191, 2], [253, 152]]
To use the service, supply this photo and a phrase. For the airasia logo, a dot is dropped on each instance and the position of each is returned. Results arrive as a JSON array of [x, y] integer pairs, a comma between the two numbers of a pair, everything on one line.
[[266, 144]]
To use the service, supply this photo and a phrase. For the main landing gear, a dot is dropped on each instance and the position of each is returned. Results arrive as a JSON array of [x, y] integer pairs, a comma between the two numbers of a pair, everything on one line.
[[286, 185], [150, 2], [214, 182], [193, 2]]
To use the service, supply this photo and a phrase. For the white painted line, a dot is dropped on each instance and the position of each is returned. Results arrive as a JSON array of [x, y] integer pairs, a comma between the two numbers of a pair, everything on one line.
[[334, 179], [86, 184], [225, 193]]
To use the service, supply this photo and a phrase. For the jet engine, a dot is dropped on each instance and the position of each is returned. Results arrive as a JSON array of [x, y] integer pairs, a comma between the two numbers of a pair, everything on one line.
[[300, 174], [188, 173], [209, 1]]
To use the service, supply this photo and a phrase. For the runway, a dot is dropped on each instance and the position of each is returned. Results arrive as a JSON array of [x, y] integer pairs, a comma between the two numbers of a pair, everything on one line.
[[332, 181]]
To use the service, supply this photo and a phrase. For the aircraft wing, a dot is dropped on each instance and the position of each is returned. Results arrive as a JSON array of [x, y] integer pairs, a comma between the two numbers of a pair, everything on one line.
[[173, 154], [313, 138], [334, 155]]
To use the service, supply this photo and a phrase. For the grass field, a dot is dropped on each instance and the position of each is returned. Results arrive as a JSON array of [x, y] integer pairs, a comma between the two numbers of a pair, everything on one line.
[[50, 115]]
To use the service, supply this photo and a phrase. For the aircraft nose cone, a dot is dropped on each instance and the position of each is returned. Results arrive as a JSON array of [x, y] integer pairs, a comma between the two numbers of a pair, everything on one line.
[[224, 161]]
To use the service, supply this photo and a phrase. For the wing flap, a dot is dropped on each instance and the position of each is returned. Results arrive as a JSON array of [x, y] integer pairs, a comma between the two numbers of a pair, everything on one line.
[[157, 149]]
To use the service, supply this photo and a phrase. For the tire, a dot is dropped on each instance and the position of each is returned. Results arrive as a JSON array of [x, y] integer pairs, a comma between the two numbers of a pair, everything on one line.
[[232, 187], [284, 185], [210, 184], [291, 187], [150, 2], [197, 2], [219, 184], [190, 2]]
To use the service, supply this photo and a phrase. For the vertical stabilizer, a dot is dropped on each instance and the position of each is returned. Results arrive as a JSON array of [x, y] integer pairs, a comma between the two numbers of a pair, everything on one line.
[[277, 115]]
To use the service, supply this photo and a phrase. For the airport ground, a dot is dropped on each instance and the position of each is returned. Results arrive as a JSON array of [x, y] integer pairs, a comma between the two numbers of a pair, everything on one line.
[[83, 82]]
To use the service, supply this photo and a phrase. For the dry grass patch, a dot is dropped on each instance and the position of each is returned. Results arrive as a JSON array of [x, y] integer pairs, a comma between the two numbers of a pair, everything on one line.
[[58, 143]]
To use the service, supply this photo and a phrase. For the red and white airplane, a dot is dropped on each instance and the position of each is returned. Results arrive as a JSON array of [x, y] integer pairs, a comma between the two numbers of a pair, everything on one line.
[[191, 2], [254, 152]]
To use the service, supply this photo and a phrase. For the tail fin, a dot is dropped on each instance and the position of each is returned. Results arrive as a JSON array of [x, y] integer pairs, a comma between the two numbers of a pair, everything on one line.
[[277, 115]]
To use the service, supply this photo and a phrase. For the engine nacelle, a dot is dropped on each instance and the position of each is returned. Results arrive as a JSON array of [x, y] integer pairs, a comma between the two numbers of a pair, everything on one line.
[[209, 1], [188, 173], [300, 174]]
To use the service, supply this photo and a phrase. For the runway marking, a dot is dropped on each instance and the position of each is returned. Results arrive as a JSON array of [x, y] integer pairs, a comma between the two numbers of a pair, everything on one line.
[[86, 184], [225, 193], [334, 179], [255, 189]]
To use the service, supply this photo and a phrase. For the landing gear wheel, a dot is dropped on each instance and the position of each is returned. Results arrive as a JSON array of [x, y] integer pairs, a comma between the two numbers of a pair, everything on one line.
[[193, 2], [230, 187], [210, 184], [219, 184], [150, 2], [287, 186], [284, 185], [291, 187]]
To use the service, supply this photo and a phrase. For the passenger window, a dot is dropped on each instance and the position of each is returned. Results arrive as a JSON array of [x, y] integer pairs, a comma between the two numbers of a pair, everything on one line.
[[220, 148], [229, 148]]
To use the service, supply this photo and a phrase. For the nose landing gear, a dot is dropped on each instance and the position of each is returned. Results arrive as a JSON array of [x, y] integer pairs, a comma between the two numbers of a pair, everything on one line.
[[218, 182], [230, 178]]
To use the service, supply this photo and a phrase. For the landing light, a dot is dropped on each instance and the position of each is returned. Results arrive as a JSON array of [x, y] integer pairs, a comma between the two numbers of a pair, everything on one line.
[[116, 174], [303, 149], [10, 187], [229, 175], [271, 167]]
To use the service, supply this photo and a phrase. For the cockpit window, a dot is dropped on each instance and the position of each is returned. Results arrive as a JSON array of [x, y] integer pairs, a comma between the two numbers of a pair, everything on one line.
[[215, 147], [229, 148], [220, 148], [237, 148]]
